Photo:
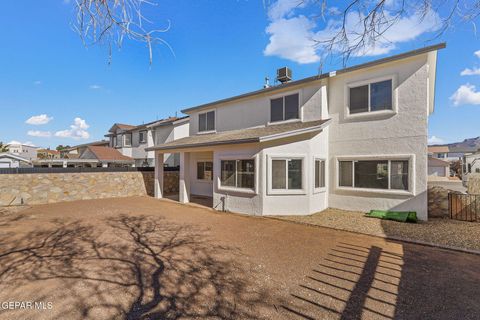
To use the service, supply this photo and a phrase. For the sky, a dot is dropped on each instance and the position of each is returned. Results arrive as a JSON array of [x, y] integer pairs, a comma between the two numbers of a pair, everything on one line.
[[54, 90]]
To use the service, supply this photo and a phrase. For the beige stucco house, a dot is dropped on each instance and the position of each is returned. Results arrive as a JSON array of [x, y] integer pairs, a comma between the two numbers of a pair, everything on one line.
[[352, 139]]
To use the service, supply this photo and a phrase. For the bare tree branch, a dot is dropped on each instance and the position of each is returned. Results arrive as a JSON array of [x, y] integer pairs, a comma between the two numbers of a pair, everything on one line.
[[111, 21]]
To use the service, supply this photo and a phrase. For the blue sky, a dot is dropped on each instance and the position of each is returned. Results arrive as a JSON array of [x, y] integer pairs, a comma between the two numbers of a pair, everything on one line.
[[222, 48]]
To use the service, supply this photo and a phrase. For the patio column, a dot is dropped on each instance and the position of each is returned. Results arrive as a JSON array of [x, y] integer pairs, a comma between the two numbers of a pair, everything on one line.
[[184, 183], [158, 175]]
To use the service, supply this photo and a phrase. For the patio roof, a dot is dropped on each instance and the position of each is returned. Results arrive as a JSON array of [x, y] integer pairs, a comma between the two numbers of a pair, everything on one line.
[[257, 134]]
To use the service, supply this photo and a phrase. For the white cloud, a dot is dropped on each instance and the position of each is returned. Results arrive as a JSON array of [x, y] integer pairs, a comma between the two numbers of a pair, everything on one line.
[[293, 37], [435, 140], [38, 133], [78, 130], [95, 86], [470, 72], [466, 94], [477, 53], [38, 120], [37, 82], [27, 143]]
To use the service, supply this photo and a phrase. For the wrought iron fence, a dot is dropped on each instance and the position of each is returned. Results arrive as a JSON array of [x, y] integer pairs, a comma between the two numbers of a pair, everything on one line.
[[465, 207]]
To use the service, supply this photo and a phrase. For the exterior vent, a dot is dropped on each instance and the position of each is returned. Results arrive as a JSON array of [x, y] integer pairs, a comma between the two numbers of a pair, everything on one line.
[[284, 74]]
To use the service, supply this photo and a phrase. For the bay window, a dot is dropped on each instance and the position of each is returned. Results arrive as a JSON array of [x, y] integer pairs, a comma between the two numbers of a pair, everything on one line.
[[374, 174], [287, 174], [238, 173], [319, 173]]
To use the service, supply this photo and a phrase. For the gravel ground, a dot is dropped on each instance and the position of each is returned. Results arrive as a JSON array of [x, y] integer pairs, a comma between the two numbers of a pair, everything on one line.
[[142, 258], [445, 232]]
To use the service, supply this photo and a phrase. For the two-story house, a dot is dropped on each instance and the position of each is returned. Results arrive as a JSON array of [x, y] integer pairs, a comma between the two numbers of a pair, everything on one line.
[[132, 141], [353, 139], [25, 151]]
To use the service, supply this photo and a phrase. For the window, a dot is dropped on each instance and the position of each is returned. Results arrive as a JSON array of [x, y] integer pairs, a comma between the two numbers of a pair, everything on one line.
[[374, 174], [118, 142], [128, 139], [319, 173], [206, 121], [287, 174], [372, 97], [284, 108], [238, 173], [142, 136], [205, 170]]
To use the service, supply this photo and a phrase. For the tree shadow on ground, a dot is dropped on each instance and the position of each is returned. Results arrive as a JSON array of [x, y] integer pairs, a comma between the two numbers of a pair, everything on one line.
[[135, 267]]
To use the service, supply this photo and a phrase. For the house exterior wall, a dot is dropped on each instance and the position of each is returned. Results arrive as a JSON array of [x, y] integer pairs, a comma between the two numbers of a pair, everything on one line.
[[438, 171], [256, 111], [27, 152], [200, 187], [399, 134]]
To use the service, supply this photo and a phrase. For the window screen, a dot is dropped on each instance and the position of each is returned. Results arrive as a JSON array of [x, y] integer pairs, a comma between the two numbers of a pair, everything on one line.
[[359, 99], [319, 173], [276, 110], [345, 174], [399, 175], [291, 107], [279, 174]]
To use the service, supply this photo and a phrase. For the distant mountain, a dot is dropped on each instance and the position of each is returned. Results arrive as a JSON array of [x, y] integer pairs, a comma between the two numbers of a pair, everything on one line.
[[467, 145]]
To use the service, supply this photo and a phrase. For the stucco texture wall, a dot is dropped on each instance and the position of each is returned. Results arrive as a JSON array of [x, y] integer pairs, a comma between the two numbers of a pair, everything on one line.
[[16, 189], [474, 183]]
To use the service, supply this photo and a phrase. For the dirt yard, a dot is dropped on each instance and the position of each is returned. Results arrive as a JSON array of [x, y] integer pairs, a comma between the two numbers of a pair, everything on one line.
[[141, 258]]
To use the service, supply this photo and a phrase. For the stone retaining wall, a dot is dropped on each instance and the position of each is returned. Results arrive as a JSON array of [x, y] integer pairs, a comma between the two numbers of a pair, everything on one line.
[[474, 183], [40, 188], [438, 202]]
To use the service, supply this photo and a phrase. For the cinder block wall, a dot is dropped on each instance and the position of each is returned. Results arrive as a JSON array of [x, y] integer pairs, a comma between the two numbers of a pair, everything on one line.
[[44, 188]]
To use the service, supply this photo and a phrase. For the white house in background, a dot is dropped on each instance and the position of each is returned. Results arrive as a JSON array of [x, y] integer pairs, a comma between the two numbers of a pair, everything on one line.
[[471, 164], [132, 141], [23, 150], [9, 160], [352, 139], [438, 169]]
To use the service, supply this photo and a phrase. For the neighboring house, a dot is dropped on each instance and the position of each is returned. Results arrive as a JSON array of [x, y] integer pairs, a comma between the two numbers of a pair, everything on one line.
[[132, 140], [46, 154], [352, 139], [23, 150], [438, 168], [471, 164], [79, 149], [9, 160], [446, 153], [107, 157]]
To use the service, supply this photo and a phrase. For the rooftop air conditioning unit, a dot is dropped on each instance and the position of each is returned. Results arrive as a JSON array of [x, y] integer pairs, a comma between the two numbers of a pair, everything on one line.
[[284, 74]]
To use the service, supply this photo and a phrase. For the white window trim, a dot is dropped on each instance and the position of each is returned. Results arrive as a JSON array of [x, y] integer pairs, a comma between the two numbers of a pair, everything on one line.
[[303, 190], [125, 139], [146, 136], [324, 188], [371, 114], [227, 189], [196, 171], [198, 120], [392, 157], [280, 95]]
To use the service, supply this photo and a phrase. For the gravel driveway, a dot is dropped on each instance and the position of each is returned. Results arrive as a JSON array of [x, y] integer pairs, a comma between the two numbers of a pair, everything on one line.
[[142, 258]]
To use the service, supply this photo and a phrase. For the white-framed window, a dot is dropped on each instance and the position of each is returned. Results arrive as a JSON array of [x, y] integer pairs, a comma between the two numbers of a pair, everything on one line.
[[371, 96], [117, 141], [127, 139], [319, 173], [285, 108], [237, 173], [377, 174], [206, 121], [205, 170], [287, 174], [142, 136]]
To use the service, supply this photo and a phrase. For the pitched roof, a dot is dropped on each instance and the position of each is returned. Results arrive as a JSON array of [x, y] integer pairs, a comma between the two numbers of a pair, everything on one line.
[[434, 149], [108, 154], [257, 134], [321, 76], [13, 156], [93, 143], [435, 162], [48, 151]]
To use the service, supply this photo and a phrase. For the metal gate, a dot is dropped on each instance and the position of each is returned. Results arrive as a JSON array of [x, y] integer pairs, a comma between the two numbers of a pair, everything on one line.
[[465, 207]]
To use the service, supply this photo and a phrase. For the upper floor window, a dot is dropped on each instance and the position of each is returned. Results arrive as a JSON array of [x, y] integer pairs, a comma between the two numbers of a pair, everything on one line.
[[142, 136], [128, 139], [284, 108], [371, 97], [206, 121]]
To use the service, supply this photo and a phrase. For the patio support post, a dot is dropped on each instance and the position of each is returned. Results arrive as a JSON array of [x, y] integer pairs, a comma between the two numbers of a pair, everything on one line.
[[158, 175], [184, 183]]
